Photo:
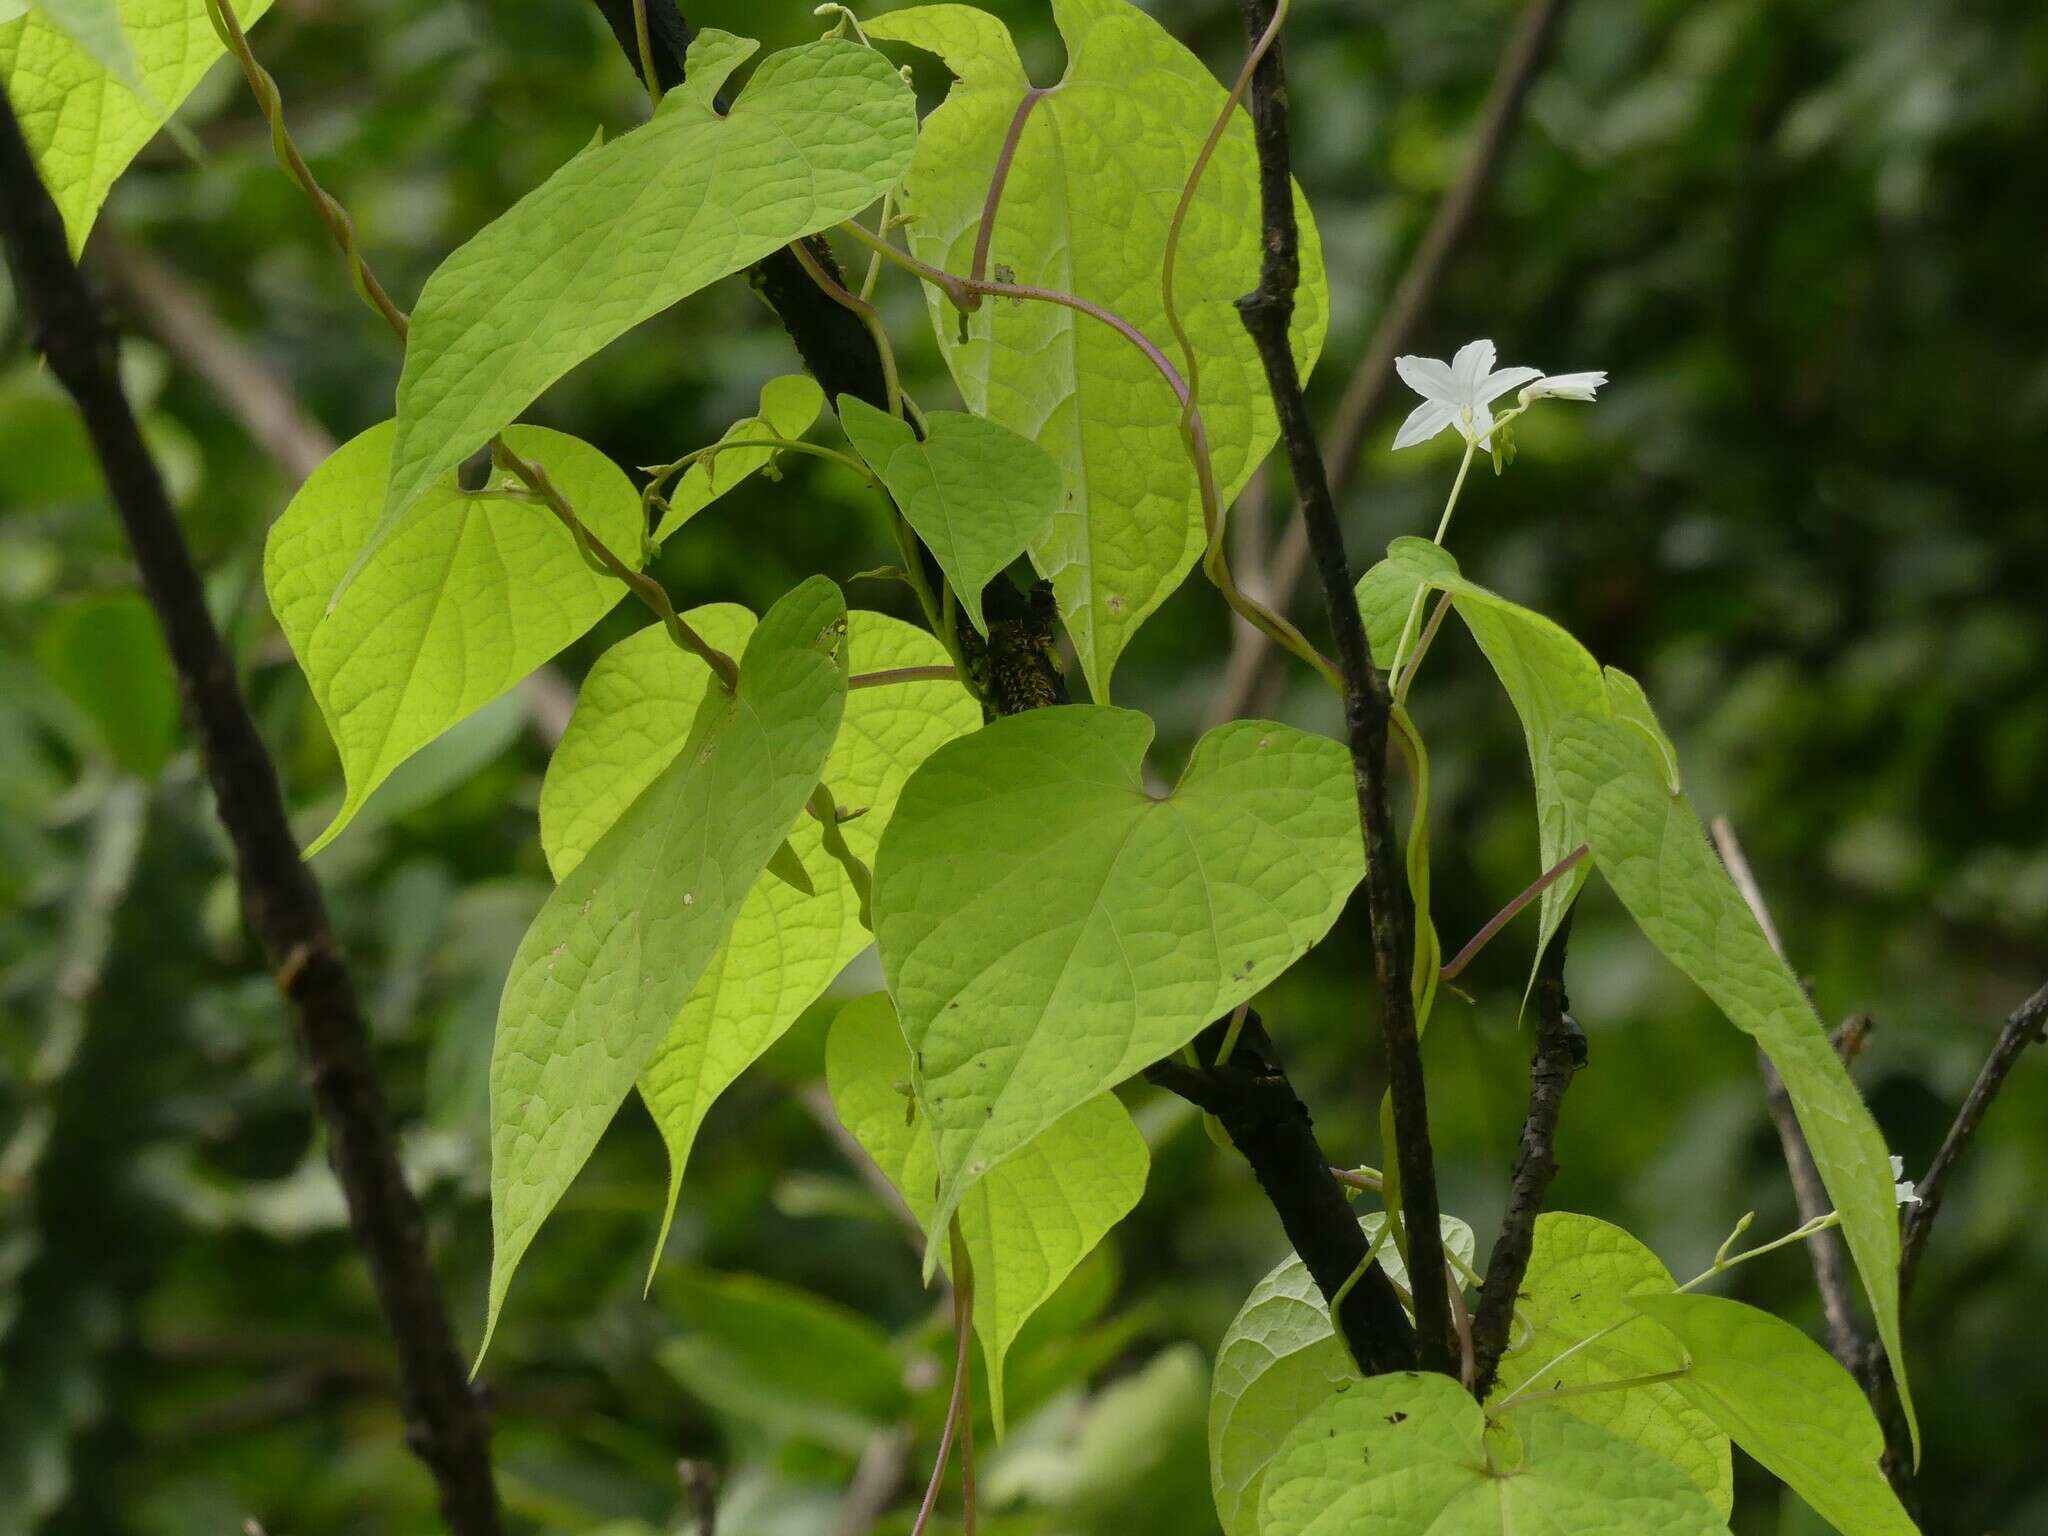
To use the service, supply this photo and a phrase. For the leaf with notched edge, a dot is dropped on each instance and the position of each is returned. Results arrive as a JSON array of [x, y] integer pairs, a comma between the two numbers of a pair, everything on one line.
[[1278, 1361]]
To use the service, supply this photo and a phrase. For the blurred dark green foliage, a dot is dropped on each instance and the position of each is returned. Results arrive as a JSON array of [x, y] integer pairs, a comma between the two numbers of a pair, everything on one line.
[[1804, 238]]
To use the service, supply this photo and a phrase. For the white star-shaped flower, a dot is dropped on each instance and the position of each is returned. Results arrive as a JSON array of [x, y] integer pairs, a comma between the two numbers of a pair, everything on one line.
[[1903, 1189], [1461, 393]]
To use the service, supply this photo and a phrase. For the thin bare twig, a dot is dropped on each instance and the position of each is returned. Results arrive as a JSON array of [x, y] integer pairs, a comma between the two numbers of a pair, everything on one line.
[[1253, 666], [279, 897], [2026, 1025], [1267, 312]]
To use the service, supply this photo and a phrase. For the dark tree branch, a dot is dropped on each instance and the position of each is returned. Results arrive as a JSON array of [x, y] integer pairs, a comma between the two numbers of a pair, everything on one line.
[[1560, 1052], [279, 898], [2027, 1025], [1267, 311], [1267, 1122], [1253, 661]]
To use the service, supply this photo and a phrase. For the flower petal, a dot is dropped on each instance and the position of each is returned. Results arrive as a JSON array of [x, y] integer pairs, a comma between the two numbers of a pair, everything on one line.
[[1473, 363], [1496, 384], [1429, 377], [1424, 422], [1565, 386]]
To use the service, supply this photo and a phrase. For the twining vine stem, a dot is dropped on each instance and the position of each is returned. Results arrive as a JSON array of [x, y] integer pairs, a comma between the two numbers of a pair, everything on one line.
[[271, 102], [280, 899]]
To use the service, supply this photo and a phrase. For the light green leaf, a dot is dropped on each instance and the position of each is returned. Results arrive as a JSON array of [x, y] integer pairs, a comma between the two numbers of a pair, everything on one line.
[[1031, 1220], [1048, 927], [1584, 1277], [458, 608], [1648, 843], [1278, 1362], [789, 407], [1412, 1453], [785, 948], [1627, 701], [975, 492], [1085, 210], [621, 943], [1789, 1404], [11, 9], [1547, 674], [95, 26], [623, 231], [82, 124], [787, 1361]]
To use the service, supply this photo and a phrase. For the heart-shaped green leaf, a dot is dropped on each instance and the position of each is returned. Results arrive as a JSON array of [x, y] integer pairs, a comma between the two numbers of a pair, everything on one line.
[[1048, 926], [1789, 1404], [1085, 209], [975, 492], [450, 614], [1026, 1225], [1648, 843], [1277, 1363], [786, 945], [621, 943], [82, 123], [625, 230], [1584, 1278], [1412, 1453], [789, 406]]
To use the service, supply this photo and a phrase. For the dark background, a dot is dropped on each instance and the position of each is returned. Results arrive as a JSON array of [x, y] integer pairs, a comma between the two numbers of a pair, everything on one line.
[[1804, 237]]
